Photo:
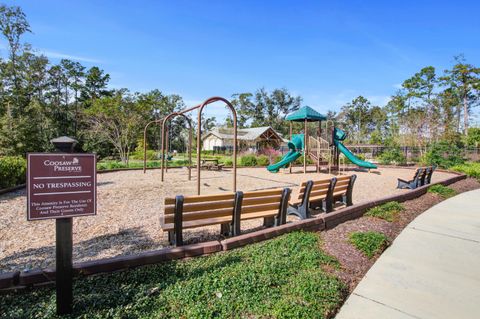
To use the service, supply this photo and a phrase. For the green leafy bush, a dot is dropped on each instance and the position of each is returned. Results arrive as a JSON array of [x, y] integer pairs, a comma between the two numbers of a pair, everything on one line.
[[392, 156], [263, 160], [387, 211], [12, 171], [370, 243], [299, 161], [248, 160], [444, 154], [358, 155], [227, 162], [280, 278], [151, 155], [442, 191], [471, 169]]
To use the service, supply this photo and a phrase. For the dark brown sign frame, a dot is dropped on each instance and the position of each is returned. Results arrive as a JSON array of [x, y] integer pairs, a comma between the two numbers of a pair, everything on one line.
[[67, 181]]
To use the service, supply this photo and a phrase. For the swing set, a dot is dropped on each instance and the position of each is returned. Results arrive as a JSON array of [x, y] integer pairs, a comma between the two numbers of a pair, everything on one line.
[[164, 139]]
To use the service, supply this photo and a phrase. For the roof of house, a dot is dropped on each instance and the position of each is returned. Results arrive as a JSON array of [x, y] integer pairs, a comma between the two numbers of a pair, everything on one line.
[[246, 134], [306, 113]]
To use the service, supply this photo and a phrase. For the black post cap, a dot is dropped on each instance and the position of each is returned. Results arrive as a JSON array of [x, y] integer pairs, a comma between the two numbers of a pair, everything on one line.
[[64, 143]]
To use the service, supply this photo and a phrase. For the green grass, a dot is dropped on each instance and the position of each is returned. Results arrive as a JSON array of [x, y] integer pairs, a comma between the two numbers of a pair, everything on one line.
[[370, 243], [471, 169], [388, 211], [442, 191], [280, 278]]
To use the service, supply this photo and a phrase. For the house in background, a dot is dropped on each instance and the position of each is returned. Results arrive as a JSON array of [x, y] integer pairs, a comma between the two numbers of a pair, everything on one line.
[[249, 139]]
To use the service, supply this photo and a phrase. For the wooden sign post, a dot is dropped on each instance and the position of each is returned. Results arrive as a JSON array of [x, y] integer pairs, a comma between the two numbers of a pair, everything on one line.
[[61, 186]]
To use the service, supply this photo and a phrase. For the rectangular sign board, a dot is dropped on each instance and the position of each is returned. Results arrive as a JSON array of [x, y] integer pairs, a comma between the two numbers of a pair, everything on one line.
[[61, 185]]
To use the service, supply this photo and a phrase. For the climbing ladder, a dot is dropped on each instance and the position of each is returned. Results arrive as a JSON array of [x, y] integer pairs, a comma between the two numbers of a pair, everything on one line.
[[320, 152]]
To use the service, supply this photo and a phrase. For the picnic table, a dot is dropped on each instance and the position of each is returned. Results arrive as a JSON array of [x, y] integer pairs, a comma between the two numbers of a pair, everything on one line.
[[211, 164]]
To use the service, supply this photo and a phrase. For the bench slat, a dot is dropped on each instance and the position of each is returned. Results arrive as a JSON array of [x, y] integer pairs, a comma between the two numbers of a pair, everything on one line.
[[343, 188], [198, 223], [263, 193], [196, 207], [201, 198], [227, 212], [321, 181], [260, 208], [261, 200], [315, 187]]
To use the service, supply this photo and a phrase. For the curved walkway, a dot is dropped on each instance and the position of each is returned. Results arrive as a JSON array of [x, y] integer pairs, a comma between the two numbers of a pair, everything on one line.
[[432, 269]]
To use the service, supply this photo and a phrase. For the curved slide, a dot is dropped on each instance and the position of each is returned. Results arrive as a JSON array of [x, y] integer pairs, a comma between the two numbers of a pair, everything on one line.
[[340, 136], [295, 145]]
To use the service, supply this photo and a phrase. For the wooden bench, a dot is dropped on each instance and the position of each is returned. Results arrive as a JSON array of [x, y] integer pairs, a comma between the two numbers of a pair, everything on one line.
[[313, 194], [343, 189], [227, 210], [271, 205], [415, 182]]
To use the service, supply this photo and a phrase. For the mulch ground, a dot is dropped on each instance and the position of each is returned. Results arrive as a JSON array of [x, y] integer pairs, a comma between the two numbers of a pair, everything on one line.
[[354, 264]]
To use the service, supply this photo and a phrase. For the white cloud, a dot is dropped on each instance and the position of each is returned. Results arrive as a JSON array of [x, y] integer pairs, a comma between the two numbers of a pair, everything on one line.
[[59, 55]]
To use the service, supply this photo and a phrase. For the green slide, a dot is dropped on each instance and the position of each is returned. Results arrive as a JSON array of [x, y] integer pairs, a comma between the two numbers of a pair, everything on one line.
[[295, 145], [339, 136]]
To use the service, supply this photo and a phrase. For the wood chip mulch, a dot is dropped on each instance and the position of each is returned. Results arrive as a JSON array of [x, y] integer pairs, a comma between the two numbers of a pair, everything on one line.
[[354, 264]]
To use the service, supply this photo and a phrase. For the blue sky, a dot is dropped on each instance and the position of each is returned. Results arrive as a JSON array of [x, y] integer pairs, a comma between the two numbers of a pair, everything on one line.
[[326, 51]]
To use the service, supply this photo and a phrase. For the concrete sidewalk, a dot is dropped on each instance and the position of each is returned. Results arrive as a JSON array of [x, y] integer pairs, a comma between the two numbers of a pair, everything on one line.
[[432, 269]]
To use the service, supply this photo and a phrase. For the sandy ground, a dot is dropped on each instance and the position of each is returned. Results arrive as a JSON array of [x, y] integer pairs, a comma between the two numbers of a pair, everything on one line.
[[130, 205]]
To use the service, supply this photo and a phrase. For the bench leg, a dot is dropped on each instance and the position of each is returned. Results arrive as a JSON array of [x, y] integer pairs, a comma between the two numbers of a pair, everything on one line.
[[171, 237], [225, 229], [300, 211], [269, 221]]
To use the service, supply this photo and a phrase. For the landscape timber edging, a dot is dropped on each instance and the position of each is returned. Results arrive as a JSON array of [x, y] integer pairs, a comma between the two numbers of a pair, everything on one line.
[[311, 224], [18, 280], [12, 189]]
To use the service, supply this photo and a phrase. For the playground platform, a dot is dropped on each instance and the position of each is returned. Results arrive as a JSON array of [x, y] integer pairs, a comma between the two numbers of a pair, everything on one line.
[[432, 269]]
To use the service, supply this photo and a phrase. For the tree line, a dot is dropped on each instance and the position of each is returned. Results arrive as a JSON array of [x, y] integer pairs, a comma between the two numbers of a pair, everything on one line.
[[428, 108], [41, 100]]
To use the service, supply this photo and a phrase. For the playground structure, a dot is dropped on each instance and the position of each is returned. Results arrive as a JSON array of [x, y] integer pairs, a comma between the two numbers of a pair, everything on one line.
[[189, 146], [324, 148], [164, 139]]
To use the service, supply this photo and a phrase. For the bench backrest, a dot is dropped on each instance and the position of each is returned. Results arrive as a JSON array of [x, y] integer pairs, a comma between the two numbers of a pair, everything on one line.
[[200, 207], [224, 209], [261, 201], [319, 188], [344, 188], [342, 184]]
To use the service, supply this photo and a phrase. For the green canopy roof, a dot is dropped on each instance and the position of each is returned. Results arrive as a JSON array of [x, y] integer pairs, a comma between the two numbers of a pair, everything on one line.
[[306, 113]]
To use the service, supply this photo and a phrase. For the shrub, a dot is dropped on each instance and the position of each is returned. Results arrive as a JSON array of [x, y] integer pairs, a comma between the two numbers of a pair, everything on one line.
[[370, 243], [471, 169], [12, 171], [299, 161], [348, 161], [444, 154], [392, 156], [263, 160], [248, 160], [270, 152], [151, 155], [227, 162], [387, 211], [442, 191]]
